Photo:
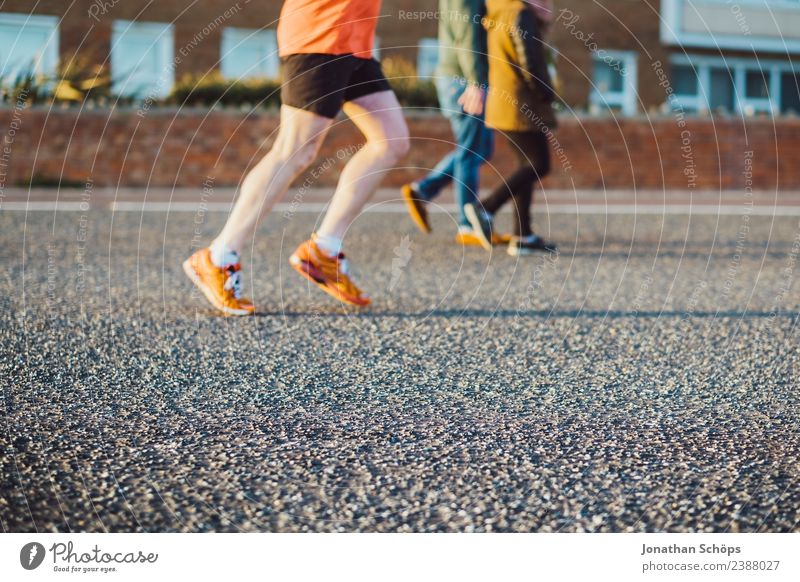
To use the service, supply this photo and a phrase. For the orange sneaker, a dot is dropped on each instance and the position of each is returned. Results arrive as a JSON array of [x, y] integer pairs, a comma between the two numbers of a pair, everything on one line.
[[416, 208], [329, 273], [220, 285], [468, 239]]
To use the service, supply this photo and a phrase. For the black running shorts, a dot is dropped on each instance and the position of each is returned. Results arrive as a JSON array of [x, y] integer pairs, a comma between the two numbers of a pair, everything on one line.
[[322, 83]]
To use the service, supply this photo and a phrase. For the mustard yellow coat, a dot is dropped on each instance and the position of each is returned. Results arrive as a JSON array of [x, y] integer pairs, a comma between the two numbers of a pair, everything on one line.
[[520, 92]]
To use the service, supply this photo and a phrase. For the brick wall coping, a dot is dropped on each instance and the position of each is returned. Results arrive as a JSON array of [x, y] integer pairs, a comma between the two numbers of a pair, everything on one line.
[[412, 113]]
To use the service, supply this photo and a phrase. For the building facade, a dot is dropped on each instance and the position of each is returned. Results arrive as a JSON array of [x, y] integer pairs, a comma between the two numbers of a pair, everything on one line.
[[702, 56], [626, 56]]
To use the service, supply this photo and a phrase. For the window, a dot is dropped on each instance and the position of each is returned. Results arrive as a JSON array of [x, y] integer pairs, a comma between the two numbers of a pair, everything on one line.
[[756, 84], [376, 48], [28, 45], [614, 81], [249, 53], [721, 91], [756, 91], [142, 63], [608, 77], [790, 93], [735, 85], [684, 80], [427, 57]]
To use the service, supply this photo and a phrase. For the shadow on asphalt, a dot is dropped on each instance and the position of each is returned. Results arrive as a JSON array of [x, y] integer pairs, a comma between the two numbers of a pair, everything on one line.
[[536, 314], [717, 253]]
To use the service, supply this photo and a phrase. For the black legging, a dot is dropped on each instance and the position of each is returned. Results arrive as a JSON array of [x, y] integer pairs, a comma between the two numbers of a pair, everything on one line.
[[533, 163]]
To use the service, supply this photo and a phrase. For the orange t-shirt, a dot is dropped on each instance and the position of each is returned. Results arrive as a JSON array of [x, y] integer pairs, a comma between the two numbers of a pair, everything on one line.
[[331, 27]]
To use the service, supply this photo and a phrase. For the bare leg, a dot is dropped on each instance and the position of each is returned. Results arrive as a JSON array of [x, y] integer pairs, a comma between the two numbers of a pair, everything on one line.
[[380, 118], [299, 137]]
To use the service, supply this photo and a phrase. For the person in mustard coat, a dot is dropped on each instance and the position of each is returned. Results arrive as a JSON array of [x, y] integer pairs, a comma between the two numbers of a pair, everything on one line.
[[519, 106]]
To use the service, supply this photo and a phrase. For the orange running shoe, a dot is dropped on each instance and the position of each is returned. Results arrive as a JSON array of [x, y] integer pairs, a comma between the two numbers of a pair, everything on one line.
[[468, 239], [416, 207], [220, 285], [329, 273]]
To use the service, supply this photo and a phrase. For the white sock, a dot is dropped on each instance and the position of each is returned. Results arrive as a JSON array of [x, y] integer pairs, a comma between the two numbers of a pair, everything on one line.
[[330, 245], [222, 255]]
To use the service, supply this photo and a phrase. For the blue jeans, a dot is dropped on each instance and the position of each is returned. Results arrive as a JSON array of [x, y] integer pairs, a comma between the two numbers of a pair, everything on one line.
[[474, 145]]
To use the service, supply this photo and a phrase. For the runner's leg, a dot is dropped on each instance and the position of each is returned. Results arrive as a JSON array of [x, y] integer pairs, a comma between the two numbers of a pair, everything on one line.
[[380, 118], [299, 137]]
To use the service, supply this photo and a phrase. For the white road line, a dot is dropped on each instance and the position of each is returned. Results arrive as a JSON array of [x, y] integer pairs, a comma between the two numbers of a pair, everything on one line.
[[395, 208], [44, 206]]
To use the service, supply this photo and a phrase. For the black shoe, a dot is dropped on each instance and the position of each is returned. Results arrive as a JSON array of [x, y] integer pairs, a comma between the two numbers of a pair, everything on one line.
[[481, 222], [529, 245], [416, 207]]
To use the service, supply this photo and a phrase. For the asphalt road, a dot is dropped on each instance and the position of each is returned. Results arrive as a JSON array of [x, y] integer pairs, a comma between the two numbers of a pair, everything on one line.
[[646, 379]]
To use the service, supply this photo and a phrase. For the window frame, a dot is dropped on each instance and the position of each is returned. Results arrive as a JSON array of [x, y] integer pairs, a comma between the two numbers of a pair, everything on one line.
[[428, 43], [163, 43], [627, 100], [47, 63], [738, 66], [234, 36], [376, 48]]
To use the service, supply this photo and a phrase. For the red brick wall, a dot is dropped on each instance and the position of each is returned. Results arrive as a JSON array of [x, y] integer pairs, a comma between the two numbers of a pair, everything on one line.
[[163, 148]]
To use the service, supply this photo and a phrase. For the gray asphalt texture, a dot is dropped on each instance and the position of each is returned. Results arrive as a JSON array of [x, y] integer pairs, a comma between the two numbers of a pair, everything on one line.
[[646, 379]]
